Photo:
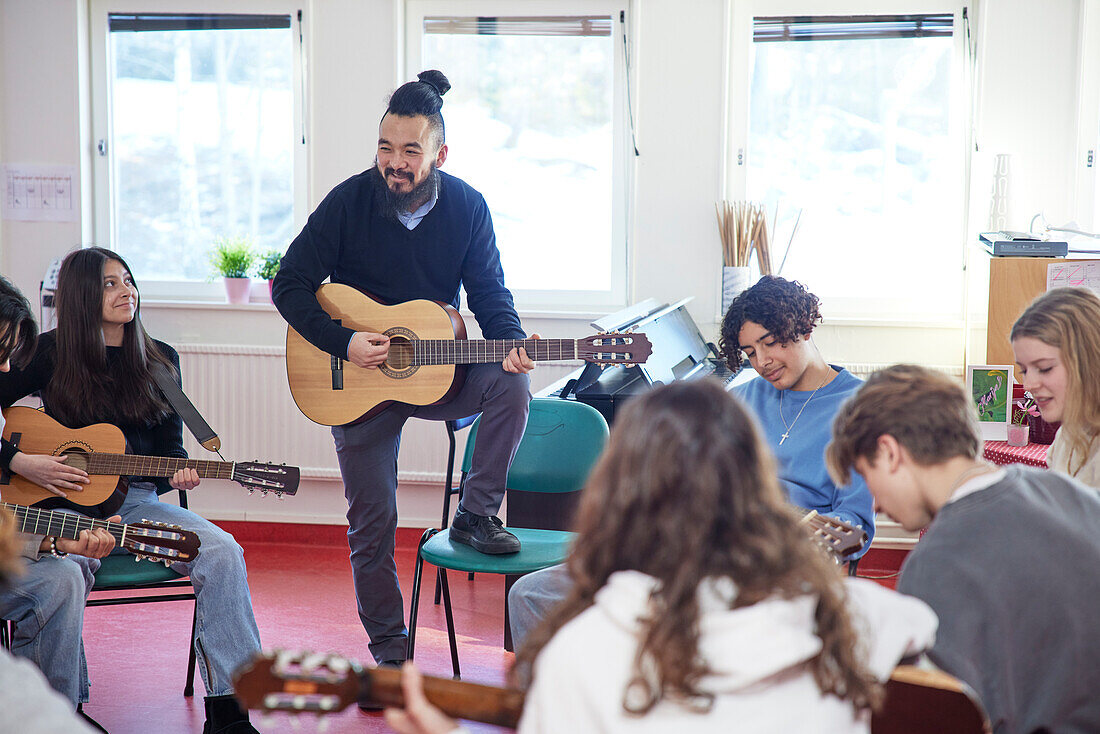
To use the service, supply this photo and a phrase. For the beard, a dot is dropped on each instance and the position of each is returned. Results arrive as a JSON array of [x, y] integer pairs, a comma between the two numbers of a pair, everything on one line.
[[394, 202]]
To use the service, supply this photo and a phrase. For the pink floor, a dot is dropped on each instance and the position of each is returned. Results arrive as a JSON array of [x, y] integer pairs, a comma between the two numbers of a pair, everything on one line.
[[303, 598]]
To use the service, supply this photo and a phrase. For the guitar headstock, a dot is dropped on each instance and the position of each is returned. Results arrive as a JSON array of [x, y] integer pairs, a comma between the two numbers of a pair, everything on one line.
[[257, 476], [159, 541], [286, 680], [628, 348], [834, 535]]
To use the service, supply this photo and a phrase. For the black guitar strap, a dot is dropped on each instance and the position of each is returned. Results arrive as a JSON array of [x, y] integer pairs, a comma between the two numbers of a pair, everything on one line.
[[198, 426]]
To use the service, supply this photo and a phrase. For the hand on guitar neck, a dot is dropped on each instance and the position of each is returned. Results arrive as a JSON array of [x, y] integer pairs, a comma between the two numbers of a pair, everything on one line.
[[369, 350], [96, 542]]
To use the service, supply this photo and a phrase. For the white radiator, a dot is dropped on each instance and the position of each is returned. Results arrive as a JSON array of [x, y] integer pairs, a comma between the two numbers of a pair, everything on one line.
[[243, 394], [863, 370]]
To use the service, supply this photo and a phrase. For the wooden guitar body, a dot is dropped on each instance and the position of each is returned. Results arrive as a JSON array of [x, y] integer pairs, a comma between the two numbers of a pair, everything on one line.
[[37, 433], [361, 393], [100, 449]]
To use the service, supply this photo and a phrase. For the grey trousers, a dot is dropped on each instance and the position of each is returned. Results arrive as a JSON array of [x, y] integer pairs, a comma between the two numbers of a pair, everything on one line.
[[533, 597], [368, 464]]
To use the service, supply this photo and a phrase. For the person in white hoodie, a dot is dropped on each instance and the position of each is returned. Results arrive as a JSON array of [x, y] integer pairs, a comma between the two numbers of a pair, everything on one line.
[[698, 602]]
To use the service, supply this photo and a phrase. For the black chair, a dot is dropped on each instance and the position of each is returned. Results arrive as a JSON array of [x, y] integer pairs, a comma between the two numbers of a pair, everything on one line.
[[449, 487]]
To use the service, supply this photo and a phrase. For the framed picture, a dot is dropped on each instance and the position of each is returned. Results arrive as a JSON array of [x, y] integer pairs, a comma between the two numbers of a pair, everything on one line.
[[990, 387]]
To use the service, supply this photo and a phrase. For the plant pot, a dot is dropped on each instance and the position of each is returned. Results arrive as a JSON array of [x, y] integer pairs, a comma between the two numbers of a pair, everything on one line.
[[236, 289], [734, 280], [1017, 434]]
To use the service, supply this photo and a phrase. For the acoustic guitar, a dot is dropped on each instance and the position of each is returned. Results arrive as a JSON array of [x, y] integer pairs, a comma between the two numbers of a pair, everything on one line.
[[428, 348], [100, 450], [150, 541], [917, 701]]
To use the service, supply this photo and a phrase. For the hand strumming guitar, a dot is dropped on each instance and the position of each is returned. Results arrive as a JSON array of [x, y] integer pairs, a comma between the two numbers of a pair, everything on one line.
[[367, 349], [49, 472]]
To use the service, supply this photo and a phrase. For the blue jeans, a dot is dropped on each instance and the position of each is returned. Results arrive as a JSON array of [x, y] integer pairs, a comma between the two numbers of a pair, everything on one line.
[[532, 597], [367, 453], [226, 635], [47, 606]]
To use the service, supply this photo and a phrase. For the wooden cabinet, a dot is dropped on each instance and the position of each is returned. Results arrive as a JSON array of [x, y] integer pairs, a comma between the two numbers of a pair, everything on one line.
[[1014, 282]]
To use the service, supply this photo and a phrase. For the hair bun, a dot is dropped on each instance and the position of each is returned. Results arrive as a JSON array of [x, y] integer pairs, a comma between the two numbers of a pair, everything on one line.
[[436, 80]]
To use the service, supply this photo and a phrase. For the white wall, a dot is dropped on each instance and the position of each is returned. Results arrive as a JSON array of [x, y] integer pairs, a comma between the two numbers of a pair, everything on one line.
[[1028, 108]]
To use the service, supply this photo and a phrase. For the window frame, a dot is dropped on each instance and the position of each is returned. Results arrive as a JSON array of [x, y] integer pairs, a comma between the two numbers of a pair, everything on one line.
[[1087, 200], [104, 228], [622, 164], [738, 90]]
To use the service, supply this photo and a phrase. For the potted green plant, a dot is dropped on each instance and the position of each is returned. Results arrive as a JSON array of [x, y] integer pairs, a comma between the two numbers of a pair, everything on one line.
[[233, 258], [269, 266]]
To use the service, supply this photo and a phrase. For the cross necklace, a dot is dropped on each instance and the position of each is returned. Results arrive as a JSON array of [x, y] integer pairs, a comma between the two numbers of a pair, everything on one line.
[[781, 392]]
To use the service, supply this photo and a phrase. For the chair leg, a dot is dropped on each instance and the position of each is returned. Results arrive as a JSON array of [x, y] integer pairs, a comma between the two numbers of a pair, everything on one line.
[[189, 686], [450, 624], [852, 566], [418, 574]]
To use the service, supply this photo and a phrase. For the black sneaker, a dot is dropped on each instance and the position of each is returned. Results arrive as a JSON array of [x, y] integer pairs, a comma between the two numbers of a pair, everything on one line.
[[483, 533]]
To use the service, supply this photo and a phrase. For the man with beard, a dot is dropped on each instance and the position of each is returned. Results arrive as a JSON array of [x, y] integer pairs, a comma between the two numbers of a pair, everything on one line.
[[399, 231]]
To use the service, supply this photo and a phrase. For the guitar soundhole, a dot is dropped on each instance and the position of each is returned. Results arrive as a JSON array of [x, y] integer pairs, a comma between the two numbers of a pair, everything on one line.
[[76, 459], [399, 362]]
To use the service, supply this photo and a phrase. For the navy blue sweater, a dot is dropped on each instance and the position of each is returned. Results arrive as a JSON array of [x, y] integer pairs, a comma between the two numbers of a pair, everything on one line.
[[350, 240]]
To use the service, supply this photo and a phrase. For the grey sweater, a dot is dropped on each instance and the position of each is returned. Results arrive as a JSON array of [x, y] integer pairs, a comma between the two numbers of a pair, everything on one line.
[[1013, 572]]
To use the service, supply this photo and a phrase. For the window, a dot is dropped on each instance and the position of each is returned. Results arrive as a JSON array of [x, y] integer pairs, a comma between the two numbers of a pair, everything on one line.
[[534, 122], [198, 138], [852, 133]]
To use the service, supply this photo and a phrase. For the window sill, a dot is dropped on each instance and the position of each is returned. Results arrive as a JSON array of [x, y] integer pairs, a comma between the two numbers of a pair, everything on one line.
[[585, 317]]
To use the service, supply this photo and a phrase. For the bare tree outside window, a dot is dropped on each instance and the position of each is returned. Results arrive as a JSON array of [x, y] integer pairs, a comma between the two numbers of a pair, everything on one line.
[[202, 144]]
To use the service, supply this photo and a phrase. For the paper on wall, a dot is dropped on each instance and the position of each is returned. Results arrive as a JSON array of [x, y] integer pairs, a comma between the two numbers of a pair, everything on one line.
[[1078, 274]]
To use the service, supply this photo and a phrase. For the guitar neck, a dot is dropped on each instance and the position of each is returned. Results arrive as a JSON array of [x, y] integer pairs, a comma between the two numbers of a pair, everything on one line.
[[156, 466], [36, 521], [480, 351], [461, 699]]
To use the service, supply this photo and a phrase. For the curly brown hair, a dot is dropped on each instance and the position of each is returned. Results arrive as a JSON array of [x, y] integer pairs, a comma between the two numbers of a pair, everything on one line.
[[686, 491], [783, 307]]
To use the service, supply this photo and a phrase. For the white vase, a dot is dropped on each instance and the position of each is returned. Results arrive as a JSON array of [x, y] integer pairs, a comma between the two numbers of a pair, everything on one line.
[[236, 289], [734, 280]]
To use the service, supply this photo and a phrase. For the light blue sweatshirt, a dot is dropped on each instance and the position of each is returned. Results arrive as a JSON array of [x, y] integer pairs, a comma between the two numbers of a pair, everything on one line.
[[802, 456]]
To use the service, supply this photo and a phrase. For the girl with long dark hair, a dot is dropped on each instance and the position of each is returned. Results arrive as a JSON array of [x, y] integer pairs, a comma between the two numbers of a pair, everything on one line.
[[698, 602], [97, 367]]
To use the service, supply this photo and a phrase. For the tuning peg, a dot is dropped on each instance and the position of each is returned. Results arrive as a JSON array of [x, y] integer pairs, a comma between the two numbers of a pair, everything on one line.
[[263, 492], [250, 491], [267, 721], [322, 726], [137, 558], [167, 563]]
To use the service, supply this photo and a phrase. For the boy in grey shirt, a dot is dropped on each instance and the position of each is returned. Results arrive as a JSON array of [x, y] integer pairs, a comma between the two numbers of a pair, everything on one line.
[[1009, 559]]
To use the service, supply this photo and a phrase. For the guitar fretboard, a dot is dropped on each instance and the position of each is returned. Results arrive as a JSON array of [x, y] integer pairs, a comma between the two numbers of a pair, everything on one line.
[[156, 466], [480, 351], [59, 524]]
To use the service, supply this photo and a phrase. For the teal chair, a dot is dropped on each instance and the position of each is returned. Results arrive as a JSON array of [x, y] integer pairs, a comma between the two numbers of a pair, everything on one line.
[[119, 573], [562, 441]]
